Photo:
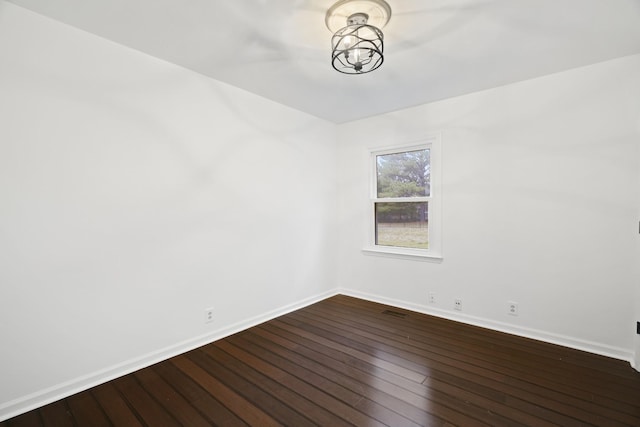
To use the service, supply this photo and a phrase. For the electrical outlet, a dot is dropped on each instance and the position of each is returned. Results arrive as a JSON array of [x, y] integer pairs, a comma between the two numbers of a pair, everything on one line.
[[512, 308], [208, 315], [457, 304], [432, 297]]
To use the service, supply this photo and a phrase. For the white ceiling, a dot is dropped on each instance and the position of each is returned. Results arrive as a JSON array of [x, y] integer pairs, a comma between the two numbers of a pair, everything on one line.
[[434, 49]]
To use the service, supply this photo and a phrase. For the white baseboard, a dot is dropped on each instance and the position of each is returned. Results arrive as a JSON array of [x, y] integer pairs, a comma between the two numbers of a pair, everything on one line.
[[565, 341], [43, 397]]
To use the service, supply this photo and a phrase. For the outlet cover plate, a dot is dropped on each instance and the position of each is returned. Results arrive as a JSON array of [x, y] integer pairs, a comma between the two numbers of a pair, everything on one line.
[[512, 308], [208, 315]]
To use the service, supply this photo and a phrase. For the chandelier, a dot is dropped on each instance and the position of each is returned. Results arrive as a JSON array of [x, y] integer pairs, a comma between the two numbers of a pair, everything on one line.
[[358, 47]]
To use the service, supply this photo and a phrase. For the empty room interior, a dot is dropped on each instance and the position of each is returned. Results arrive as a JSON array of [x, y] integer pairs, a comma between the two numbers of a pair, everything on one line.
[[174, 174]]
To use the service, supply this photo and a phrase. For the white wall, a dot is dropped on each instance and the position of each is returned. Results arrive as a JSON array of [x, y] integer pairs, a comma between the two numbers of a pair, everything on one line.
[[540, 207], [133, 195]]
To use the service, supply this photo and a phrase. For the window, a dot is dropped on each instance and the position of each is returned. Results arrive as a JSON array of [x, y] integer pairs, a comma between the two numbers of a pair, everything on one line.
[[404, 207]]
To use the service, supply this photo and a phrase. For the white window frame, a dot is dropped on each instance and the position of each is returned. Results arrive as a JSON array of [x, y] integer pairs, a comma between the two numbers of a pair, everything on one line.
[[433, 144]]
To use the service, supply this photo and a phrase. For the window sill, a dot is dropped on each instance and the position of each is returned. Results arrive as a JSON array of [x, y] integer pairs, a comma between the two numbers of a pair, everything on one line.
[[403, 253]]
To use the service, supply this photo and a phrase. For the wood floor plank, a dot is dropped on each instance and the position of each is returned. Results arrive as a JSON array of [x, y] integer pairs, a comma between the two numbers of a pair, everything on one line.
[[499, 378], [114, 406], [439, 404], [344, 346], [151, 412], [28, 419], [253, 385], [349, 362], [467, 333], [595, 392], [170, 399], [86, 410], [388, 408], [340, 414], [451, 408], [201, 399], [57, 414], [325, 380], [244, 409], [525, 362]]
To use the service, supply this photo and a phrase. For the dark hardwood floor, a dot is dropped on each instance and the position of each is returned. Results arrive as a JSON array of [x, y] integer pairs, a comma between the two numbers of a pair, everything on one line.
[[345, 361]]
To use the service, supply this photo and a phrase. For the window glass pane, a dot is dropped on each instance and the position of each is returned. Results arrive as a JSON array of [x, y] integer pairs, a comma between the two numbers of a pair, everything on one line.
[[405, 174], [402, 224]]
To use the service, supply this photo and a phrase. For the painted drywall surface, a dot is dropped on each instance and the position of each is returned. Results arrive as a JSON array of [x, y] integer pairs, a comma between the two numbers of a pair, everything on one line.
[[539, 206], [134, 194]]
